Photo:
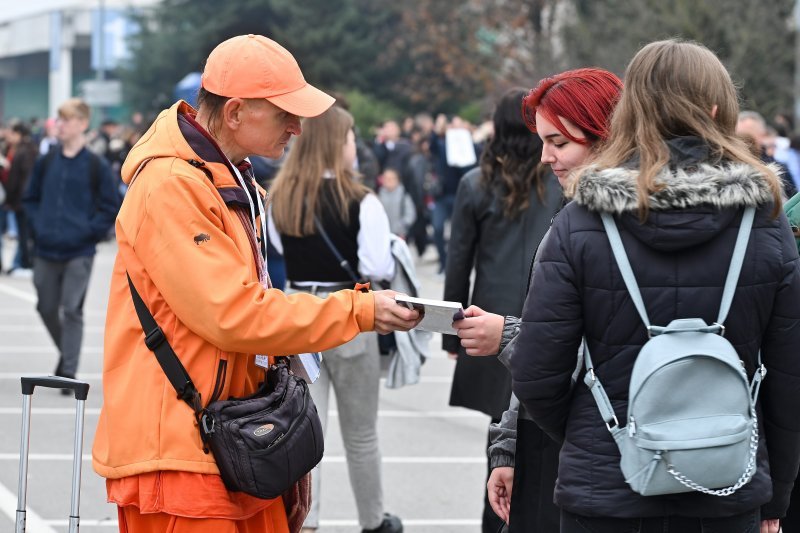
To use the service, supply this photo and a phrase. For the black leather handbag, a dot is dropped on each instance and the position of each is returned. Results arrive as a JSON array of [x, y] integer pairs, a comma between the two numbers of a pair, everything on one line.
[[263, 443]]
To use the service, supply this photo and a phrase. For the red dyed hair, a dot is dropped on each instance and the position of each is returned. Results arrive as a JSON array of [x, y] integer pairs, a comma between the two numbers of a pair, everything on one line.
[[585, 96]]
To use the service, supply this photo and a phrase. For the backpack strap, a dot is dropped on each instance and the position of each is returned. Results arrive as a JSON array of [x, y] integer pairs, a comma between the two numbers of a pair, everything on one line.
[[737, 260], [731, 281], [625, 266]]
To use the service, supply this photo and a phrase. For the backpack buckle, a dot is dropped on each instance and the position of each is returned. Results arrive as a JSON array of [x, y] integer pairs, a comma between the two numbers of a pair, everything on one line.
[[721, 328], [616, 424]]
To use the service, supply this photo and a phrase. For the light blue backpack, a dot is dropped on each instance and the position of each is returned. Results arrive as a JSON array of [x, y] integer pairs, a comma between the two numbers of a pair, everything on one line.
[[692, 422]]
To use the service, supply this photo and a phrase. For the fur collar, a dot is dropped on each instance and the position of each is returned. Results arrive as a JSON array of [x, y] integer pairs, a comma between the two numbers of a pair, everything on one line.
[[725, 186]]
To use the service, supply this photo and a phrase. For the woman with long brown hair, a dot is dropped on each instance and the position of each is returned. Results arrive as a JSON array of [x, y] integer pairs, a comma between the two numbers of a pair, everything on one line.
[[315, 192]]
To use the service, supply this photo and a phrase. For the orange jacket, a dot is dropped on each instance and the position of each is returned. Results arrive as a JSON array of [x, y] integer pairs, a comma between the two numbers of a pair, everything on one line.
[[190, 259]]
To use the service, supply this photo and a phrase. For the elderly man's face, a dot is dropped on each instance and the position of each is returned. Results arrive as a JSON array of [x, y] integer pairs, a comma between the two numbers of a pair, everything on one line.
[[266, 129]]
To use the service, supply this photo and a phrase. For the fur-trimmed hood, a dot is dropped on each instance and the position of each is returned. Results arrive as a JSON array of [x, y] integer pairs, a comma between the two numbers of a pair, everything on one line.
[[696, 203], [725, 186]]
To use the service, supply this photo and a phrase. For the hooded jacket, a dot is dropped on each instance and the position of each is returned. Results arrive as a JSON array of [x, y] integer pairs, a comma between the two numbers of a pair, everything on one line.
[[680, 255], [191, 259]]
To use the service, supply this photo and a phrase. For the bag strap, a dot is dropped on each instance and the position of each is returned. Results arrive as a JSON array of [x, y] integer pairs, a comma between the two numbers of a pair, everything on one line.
[[731, 281], [342, 261], [157, 342]]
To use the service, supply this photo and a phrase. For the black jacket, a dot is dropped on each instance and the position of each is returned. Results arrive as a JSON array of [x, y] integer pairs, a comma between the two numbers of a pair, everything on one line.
[[500, 249], [680, 256]]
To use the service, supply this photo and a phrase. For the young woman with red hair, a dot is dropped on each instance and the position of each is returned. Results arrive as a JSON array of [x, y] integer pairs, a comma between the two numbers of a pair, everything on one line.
[[570, 112]]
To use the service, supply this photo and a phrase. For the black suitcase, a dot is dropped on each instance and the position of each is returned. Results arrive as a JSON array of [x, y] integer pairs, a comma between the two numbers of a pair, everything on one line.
[[81, 391]]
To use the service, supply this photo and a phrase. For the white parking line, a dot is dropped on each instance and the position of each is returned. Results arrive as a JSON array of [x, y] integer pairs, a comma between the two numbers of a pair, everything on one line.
[[333, 459], [35, 523], [22, 295], [39, 328], [43, 349]]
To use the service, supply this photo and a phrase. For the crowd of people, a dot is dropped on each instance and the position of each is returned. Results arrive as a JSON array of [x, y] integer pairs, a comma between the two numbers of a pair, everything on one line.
[[309, 266]]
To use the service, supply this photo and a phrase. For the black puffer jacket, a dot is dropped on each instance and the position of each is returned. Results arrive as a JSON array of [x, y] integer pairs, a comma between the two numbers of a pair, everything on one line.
[[680, 256]]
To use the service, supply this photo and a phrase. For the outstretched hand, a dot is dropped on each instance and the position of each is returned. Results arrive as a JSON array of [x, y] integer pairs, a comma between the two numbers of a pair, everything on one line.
[[480, 332], [391, 316]]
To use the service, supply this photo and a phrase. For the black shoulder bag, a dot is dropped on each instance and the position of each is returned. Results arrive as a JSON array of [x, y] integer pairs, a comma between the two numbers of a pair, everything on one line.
[[263, 443], [386, 343]]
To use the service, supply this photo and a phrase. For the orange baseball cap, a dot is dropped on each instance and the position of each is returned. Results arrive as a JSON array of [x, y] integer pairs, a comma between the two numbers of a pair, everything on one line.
[[252, 66]]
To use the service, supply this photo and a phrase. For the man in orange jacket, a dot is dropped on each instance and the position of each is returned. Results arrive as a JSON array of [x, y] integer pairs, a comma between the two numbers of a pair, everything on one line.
[[191, 236]]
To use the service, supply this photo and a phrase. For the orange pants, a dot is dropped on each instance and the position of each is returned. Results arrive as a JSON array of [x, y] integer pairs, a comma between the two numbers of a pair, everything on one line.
[[270, 520]]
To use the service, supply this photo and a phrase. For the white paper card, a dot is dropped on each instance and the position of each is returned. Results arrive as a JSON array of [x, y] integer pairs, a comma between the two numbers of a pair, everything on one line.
[[262, 361], [306, 366], [439, 315]]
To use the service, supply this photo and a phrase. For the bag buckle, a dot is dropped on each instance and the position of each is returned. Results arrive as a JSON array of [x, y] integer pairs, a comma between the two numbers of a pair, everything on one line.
[[204, 421], [721, 328], [616, 424], [154, 338]]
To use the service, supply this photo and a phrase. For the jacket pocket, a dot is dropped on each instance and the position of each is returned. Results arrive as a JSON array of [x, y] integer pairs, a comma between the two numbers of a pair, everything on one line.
[[220, 380]]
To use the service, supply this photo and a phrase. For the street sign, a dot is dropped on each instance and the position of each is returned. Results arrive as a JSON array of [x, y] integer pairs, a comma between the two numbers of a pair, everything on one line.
[[102, 92]]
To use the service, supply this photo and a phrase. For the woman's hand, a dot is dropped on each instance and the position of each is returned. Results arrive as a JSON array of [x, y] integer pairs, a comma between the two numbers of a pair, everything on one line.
[[391, 316], [501, 481], [480, 332], [772, 525]]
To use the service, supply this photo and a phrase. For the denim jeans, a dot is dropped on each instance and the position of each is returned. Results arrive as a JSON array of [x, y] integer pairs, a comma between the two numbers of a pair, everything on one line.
[[749, 522]]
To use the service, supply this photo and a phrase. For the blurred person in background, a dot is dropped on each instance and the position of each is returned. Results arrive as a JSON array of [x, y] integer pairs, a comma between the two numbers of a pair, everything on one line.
[[752, 125], [396, 201], [71, 202], [21, 154], [451, 160], [315, 191]]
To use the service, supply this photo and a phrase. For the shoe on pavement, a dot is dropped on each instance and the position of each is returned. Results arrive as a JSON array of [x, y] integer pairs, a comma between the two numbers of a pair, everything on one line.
[[21, 273], [390, 524]]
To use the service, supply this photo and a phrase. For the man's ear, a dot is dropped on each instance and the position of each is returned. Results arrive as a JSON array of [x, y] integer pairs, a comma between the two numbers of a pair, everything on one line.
[[232, 113]]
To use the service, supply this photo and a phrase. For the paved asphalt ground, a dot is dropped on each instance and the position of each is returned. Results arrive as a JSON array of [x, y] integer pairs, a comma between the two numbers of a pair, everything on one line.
[[433, 455]]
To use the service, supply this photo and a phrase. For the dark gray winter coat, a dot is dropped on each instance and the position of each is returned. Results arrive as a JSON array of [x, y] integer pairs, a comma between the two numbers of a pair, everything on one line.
[[680, 256], [500, 250]]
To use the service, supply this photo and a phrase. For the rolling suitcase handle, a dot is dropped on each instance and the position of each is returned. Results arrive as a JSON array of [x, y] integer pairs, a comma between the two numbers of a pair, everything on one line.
[[81, 391]]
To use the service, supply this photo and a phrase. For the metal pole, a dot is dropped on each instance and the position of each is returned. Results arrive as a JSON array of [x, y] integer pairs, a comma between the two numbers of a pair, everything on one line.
[[24, 444], [101, 61], [74, 514]]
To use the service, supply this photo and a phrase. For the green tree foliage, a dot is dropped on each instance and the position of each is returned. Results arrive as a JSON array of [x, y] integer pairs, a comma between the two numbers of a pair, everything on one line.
[[436, 55], [336, 43], [753, 38], [416, 55]]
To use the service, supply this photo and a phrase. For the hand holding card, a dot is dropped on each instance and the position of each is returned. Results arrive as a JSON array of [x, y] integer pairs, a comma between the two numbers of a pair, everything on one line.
[[438, 315]]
